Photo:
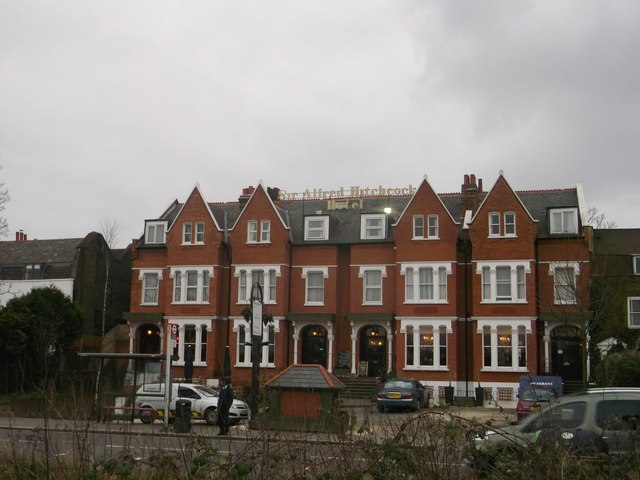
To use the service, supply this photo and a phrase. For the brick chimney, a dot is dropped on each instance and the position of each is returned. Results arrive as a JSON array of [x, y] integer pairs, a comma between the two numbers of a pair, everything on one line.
[[21, 236], [246, 194], [469, 194]]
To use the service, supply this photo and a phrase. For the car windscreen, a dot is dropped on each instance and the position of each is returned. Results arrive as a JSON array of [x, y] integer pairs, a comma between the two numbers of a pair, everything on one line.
[[206, 391], [568, 415], [537, 396], [398, 384]]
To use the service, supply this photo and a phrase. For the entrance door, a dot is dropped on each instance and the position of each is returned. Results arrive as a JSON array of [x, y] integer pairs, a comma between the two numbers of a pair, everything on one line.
[[566, 358], [373, 347], [148, 339], [314, 345]]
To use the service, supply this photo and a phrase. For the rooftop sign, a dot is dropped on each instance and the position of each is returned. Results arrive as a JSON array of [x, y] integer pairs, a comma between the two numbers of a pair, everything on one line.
[[347, 192]]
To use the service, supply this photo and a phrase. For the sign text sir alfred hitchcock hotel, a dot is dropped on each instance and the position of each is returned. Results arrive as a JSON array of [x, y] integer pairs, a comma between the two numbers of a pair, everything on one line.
[[345, 198]]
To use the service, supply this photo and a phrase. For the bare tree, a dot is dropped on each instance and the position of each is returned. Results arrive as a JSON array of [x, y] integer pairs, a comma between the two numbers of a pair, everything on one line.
[[4, 199], [598, 219], [109, 228]]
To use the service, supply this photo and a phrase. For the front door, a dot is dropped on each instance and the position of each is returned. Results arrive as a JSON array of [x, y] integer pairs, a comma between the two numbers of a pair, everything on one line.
[[373, 347], [148, 339], [567, 353], [314, 345]]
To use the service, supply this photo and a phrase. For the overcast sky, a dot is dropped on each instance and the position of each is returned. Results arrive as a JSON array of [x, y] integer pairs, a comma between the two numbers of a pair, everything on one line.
[[116, 108]]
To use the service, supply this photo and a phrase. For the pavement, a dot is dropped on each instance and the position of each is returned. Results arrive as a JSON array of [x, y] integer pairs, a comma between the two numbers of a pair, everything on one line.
[[363, 412]]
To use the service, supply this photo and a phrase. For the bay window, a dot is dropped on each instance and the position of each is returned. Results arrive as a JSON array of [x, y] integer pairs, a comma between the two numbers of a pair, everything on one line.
[[191, 284], [191, 340], [242, 328], [504, 281], [426, 344], [504, 344], [425, 282], [265, 275]]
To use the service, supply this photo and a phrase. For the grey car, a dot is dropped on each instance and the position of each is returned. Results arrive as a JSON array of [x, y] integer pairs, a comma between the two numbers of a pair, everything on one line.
[[602, 420], [405, 393]]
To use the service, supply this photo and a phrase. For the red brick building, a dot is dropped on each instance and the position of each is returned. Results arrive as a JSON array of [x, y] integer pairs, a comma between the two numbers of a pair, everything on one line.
[[476, 287]]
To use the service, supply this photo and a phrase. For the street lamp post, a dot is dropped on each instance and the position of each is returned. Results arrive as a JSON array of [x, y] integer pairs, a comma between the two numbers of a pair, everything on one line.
[[256, 344]]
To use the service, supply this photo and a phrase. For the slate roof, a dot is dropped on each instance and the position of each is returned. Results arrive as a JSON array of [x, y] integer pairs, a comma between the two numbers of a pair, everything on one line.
[[307, 377], [344, 224], [39, 251]]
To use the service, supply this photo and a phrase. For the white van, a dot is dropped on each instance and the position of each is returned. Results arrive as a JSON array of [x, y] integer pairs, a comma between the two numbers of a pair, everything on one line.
[[204, 402]]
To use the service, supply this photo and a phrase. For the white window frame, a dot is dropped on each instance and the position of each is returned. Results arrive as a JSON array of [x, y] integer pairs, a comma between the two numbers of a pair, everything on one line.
[[316, 232], [314, 272], [367, 231], [201, 340], [433, 227], [556, 269], [265, 231], [519, 269], [187, 233], [181, 286], [518, 330], [145, 274], [509, 224], [243, 352], [245, 275], [494, 224], [252, 231], [418, 227], [154, 237], [199, 234], [440, 273], [633, 312], [410, 328], [636, 264], [366, 286], [565, 227]]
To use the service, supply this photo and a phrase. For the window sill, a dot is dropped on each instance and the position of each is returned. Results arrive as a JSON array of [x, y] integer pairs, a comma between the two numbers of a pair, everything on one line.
[[498, 302], [248, 365], [427, 302], [180, 363], [372, 304], [190, 303], [149, 304], [410, 368], [505, 370], [314, 304]]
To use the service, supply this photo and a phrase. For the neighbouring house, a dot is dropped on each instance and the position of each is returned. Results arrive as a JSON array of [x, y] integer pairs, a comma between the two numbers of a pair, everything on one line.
[[616, 287], [77, 267]]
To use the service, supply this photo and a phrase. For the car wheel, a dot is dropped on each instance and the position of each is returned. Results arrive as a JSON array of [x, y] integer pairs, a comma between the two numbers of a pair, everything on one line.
[[211, 416], [381, 408], [145, 416]]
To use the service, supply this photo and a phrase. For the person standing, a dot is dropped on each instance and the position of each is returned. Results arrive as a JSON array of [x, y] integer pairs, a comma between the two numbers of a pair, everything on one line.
[[225, 399]]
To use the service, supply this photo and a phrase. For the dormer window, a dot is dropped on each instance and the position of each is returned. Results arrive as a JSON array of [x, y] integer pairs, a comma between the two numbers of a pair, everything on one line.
[[563, 221], [155, 232], [316, 228], [372, 227]]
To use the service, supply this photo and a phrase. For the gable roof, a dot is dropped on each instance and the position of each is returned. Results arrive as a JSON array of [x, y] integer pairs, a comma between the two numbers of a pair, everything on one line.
[[502, 179], [180, 207], [345, 223], [260, 188], [425, 184]]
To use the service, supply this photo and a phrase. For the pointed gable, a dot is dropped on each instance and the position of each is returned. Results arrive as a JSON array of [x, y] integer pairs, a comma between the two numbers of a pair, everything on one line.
[[195, 201], [502, 198], [425, 195], [258, 199]]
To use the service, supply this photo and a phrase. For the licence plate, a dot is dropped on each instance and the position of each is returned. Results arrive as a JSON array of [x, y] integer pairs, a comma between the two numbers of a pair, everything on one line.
[[534, 407], [393, 395]]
